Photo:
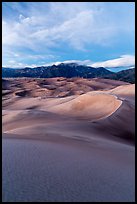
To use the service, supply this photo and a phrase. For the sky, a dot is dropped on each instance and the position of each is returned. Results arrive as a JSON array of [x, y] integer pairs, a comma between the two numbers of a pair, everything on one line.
[[91, 33]]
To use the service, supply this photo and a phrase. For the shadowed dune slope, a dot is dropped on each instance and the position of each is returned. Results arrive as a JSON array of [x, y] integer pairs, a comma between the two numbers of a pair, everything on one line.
[[124, 91]]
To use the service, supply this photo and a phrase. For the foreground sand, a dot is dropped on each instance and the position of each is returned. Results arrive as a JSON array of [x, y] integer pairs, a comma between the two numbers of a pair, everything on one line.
[[61, 146]]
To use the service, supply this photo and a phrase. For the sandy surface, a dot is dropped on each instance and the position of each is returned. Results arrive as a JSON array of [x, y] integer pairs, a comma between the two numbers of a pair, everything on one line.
[[62, 145], [51, 171]]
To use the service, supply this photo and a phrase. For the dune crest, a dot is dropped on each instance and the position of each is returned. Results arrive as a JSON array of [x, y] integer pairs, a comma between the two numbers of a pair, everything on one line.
[[89, 106]]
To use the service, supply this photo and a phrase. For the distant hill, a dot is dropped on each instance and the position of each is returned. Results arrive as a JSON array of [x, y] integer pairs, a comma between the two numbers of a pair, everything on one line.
[[69, 70], [124, 75]]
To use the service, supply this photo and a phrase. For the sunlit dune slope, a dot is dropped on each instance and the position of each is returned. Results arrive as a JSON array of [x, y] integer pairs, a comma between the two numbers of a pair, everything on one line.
[[89, 106]]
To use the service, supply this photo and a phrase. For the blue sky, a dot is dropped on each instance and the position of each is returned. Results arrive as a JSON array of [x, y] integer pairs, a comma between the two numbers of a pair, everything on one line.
[[91, 33]]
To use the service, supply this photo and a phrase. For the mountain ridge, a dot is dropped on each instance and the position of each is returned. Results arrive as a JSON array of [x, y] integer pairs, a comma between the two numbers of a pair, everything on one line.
[[69, 70]]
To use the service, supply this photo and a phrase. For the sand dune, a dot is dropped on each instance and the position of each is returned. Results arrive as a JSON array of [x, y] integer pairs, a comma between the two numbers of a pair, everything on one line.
[[89, 106], [125, 92], [57, 87], [103, 109], [90, 121]]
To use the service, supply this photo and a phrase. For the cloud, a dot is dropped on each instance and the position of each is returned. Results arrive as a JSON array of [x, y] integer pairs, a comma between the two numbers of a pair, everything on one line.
[[51, 28], [77, 24], [18, 64], [122, 61], [19, 59], [80, 62], [14, 64]]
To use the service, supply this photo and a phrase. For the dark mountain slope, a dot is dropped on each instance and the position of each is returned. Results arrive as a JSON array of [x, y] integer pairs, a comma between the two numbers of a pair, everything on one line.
[[124, 75], [61, 70], [70, 70]]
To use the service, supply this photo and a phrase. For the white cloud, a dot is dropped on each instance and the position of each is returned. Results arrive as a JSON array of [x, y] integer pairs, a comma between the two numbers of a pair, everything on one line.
[[18, 60], [123, 61], [12, 61], [80, 62], [74, 31], [44, 28], [77, 24], [16, 64]]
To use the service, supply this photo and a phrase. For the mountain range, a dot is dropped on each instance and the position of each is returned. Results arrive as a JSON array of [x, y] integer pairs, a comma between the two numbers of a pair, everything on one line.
[[70, 70]]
